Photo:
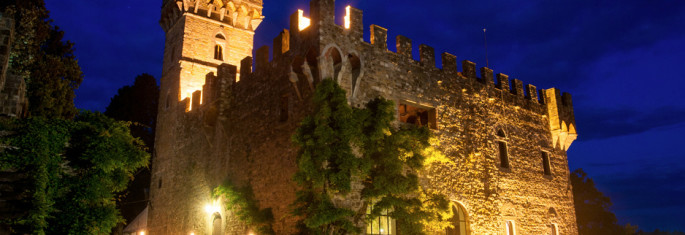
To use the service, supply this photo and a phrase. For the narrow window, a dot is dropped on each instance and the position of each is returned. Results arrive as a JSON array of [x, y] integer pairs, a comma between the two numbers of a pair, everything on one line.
[[218, 52], [159, 184], [555, 229], [510, 228], [545, 163], [418, 115], [285, 108], [168, 101], [382, 224], [503, 156]]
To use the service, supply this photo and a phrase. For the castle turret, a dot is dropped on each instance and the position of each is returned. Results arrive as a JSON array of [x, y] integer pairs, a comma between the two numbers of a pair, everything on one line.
[[562, 122], [200, 36], [206, 40]]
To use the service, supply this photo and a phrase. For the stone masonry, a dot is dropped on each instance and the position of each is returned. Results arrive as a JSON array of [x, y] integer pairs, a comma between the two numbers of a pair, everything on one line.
[[13, 100], [224, 115]]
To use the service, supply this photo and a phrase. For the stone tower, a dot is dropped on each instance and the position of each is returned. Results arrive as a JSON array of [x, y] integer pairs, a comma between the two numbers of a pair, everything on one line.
[[200, 35]]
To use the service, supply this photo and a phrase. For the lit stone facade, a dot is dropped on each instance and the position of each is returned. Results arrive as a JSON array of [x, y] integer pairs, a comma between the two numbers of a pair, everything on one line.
[[223, 120]]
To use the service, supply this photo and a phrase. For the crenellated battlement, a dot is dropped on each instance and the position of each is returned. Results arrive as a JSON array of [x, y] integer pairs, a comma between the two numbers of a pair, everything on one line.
[[303, 30], [242, 14]]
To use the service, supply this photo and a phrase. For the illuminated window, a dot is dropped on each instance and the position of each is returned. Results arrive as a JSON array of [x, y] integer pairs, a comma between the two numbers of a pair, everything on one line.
[[417, 115], [218, 52], [555, 229], [510, 230], [546, 164], [461, 226], [380, 225]]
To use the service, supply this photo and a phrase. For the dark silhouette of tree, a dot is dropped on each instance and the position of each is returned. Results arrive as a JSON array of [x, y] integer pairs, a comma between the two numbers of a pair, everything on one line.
[[592, 208], [43, 59], [137, 104]]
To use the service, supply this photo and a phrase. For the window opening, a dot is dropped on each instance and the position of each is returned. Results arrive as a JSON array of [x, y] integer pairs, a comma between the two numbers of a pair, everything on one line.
[[219, 36], [503, 155], [546, 164], [218, 52], [461, 226], [417, 115], [382, 224], [285, 108], [510, 228], [500, 133]]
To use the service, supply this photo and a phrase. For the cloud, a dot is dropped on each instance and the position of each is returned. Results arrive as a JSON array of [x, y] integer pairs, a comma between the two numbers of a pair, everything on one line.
[[648, 194], [607, 123]]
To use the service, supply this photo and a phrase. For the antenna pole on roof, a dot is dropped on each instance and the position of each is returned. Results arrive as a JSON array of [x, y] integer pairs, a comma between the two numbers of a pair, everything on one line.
[[485, 36]]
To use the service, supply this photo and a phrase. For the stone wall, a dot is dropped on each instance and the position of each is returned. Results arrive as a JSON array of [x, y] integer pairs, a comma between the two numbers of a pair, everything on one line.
[[241, 131]]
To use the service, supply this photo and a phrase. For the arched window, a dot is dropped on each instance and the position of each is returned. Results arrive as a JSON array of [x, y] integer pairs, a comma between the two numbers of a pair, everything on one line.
[[219, 36], [218, 52], [216, 224], [382, 224], [502, 149], [459, 222]]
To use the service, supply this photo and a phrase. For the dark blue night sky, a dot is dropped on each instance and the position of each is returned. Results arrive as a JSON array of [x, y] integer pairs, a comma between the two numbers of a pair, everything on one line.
[[621, 60]]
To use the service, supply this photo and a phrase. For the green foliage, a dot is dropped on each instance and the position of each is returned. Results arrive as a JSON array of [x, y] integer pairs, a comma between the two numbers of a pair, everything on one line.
[[340, 145], [40, 55], [242, 201], [76, 168], [137, 104], [592, 208]]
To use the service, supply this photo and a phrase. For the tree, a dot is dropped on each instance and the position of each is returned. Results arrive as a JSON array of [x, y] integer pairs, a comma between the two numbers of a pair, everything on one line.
[[75, 169], [137, 104], [592, 208], [341, 147], [43, 59]]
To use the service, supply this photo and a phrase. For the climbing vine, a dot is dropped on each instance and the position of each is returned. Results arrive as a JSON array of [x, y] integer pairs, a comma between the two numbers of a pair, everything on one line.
[[242, 201], [346, 151]]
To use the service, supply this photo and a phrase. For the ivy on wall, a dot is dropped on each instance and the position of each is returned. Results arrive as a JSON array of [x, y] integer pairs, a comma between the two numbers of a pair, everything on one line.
[[246, 208], [341, 146]]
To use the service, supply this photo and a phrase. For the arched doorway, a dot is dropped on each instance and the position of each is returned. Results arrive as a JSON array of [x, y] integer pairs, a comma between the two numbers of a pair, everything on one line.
[[459, 221], [216, 224]]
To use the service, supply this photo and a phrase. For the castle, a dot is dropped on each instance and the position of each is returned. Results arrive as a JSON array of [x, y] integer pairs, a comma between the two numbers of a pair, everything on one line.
[[225, 115]]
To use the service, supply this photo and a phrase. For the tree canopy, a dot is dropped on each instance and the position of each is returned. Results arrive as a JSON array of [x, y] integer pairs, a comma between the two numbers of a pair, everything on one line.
[[137, 104], [346, 151], [41, 56], [75, 168], [593, 208]]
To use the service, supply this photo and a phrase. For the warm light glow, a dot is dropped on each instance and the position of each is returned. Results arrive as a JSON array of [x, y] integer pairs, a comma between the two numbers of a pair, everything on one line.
[[213, 207], [347, 17], [141, 233], [304, 21], [192, 233], [210, 209]]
